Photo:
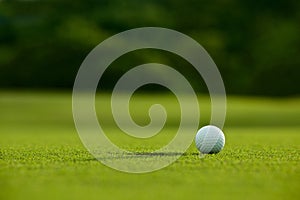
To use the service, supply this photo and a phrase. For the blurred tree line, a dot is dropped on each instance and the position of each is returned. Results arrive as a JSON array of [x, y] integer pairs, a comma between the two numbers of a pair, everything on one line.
[[255, 44]]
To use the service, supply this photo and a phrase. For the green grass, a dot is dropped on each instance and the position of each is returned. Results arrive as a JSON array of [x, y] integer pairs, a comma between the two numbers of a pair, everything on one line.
[[41, 155]]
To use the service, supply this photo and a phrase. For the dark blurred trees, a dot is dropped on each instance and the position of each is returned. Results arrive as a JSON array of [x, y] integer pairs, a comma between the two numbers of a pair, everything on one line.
[[256, 44]]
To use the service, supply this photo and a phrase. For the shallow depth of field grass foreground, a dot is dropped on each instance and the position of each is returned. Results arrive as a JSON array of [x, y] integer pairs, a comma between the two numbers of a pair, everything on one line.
[[42, 157]]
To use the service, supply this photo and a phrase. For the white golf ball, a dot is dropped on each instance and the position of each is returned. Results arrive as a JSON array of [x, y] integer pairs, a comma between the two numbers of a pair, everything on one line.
[[210, 139]]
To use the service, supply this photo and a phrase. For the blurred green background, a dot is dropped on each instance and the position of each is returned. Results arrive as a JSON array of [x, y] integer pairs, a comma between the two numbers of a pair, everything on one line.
[[255, 44]]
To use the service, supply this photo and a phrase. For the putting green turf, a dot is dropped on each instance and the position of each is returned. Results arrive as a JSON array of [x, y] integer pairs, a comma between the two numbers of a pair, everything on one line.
[[41, 155]]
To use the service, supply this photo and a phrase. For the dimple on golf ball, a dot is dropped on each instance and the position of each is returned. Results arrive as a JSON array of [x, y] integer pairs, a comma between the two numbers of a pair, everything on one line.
[[210, 140]]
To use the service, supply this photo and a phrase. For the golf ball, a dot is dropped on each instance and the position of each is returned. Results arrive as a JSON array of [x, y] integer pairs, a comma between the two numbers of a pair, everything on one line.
[[210, 139]]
